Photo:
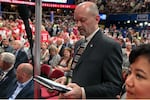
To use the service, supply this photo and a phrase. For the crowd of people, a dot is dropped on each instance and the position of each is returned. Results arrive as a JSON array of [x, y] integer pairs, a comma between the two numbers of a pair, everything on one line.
[[121, 6], [98, 59], [15, 82]]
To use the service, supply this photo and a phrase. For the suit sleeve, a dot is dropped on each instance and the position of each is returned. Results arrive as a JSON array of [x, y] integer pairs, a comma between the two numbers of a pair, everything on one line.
[[21, 58], [111, 74]]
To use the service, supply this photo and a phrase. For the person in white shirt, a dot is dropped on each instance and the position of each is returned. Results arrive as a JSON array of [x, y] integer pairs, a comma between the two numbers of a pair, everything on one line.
[[24, 87]]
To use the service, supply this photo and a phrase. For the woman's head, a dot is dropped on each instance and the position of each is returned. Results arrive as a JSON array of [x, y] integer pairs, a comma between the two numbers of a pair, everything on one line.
[[44, 45], [67, 52], [53, 50], [138, 80], [128, 46]]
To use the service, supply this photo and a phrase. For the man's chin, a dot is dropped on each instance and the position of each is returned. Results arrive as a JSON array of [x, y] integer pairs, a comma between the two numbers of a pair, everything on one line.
[[82, 32]]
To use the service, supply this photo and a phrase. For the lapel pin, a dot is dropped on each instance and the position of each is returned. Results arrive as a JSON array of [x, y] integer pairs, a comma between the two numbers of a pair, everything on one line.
[[91, 45]]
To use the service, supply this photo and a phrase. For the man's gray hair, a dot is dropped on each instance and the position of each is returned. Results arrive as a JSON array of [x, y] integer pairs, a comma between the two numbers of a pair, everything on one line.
[[8, 57]]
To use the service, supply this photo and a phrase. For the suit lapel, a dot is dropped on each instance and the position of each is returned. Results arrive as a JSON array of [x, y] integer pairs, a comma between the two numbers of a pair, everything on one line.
[[13, 89], [8, 75], [89, 47], [25, 89]]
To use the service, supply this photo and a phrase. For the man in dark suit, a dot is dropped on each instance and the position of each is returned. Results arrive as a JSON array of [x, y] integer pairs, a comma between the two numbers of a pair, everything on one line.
[[21, 55], [97, 71], [8, 77], [66, 44], [24, 86]]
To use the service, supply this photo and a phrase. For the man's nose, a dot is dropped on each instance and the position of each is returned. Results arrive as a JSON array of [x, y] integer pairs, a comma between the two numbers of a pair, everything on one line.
[[78, 23]]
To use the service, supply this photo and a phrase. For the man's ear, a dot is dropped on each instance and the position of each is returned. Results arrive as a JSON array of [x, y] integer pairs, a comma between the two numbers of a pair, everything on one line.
[[98, 18], [24, 74]]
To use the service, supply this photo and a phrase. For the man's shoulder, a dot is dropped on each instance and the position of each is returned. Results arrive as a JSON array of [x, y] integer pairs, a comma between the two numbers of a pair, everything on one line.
[[31, 84], [100, 36], [8, 80], [11, 72]]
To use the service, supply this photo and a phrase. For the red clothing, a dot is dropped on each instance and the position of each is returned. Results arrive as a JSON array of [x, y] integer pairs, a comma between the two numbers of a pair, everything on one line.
[[44, 36]]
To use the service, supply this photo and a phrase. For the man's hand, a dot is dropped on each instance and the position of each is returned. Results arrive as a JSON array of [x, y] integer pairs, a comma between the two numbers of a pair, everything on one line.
[[75, 93]]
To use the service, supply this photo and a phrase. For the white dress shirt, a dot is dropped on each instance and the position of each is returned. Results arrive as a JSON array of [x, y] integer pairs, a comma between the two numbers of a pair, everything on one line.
[[5, 72], [18, 89]]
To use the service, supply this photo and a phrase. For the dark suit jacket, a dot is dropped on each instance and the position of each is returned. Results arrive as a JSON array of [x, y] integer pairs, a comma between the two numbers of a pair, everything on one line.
[[7, 83], [99, 68], [26, 92], [21, 57]]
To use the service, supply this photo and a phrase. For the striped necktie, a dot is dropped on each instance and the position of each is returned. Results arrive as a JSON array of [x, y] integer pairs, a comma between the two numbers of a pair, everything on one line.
[[1, 75], [77, 56]]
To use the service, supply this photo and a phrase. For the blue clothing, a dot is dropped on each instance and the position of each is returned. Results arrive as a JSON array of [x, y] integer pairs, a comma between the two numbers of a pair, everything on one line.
[[25, 91], [19, 88]]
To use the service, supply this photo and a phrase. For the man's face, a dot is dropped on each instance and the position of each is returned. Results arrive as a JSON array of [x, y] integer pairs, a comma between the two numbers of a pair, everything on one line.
[[85, 21], [5, 42], [15, 45], [19, 74]]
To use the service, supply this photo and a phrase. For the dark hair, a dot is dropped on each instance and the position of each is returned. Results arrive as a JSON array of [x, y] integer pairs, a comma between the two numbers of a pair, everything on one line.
[[68, 49], [141, 50]]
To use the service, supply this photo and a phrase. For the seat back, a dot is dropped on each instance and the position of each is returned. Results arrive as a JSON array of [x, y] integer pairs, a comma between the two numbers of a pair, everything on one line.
[[56, 74], [45, 70]]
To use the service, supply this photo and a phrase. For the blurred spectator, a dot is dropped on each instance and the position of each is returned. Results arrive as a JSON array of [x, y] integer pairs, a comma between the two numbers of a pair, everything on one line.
[[67, 43], [7, 73], [54, 57], [44, 34], [137, 82], [59, 44], [6, 46], [44, 52], [128, 48], [21, 56], [49, 29], [126, 52], [24, 86], [65, 63]]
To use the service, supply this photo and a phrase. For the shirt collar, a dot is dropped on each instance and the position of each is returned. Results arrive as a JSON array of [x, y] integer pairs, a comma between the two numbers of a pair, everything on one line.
[[91, 36], [25, 83]]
